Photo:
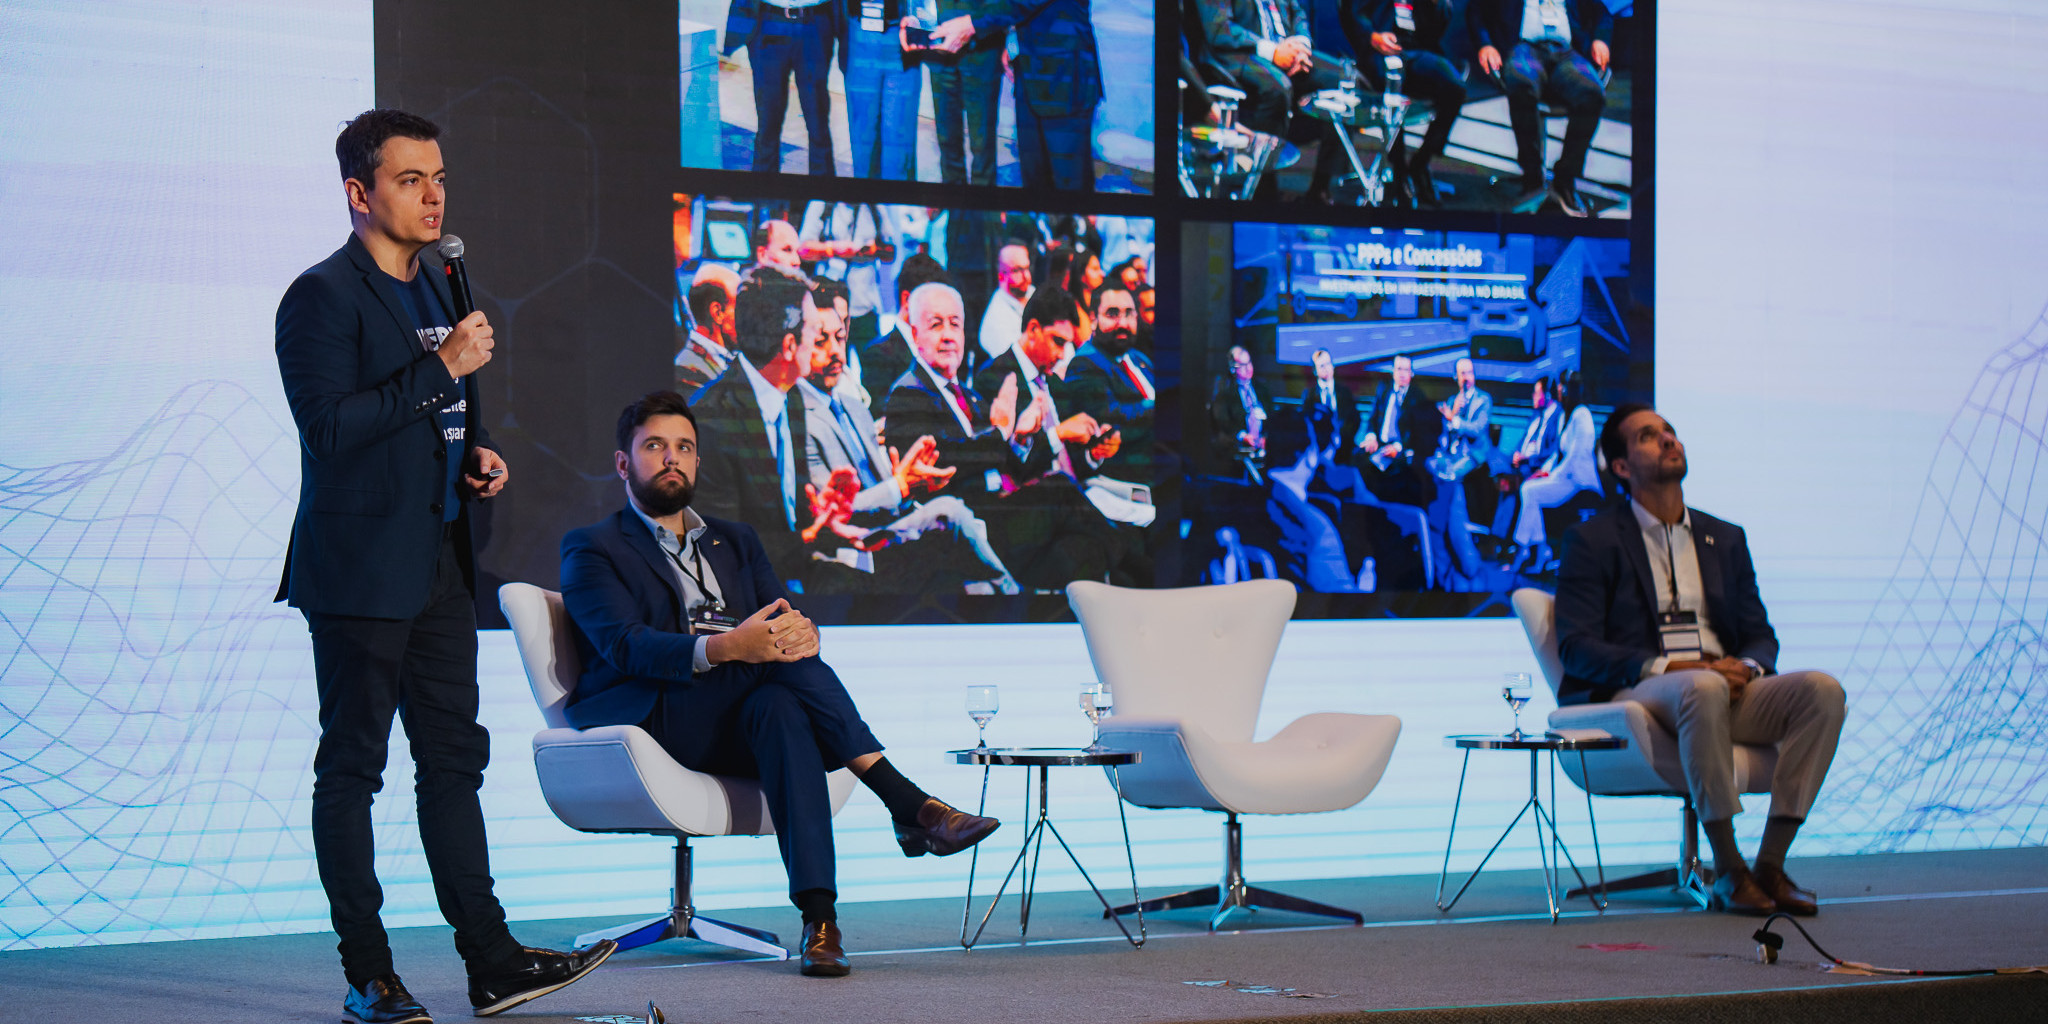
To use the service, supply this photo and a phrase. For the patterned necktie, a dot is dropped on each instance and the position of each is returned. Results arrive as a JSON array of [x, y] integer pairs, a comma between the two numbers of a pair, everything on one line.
[[1061, 458], [855, 446], [778, 439], [960, 402]]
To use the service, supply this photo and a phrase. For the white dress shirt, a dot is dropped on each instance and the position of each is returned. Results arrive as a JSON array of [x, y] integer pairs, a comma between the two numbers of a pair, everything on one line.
[[681, 551], [1672, 553]]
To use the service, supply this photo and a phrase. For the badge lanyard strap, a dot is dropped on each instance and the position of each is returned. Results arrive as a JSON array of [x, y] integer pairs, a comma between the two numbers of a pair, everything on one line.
[[697, 554], [1670, 566]]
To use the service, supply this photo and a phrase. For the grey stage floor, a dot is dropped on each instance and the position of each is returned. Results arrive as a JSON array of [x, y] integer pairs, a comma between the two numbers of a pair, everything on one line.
[[1498, 950]]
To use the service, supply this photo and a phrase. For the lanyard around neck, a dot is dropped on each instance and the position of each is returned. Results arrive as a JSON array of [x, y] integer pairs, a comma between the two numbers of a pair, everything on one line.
[[697, 555], [1671, 565]]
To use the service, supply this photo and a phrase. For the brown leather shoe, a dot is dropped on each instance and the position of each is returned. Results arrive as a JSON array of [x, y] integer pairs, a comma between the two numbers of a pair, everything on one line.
[[1736, 892], [943, 829], [823, 957], [1786, 893]]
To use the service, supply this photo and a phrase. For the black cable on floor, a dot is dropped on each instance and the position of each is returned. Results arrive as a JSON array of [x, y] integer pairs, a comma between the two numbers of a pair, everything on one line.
[[1768, 943]]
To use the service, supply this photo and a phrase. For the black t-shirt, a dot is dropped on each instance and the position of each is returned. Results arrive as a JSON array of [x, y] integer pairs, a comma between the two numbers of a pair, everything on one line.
[[432, 322]]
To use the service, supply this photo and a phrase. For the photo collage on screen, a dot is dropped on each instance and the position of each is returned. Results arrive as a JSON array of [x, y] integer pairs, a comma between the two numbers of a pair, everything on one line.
[[1362, 340]]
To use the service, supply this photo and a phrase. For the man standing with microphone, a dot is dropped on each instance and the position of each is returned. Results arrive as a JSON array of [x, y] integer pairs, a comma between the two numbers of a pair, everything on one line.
[[376, 367]]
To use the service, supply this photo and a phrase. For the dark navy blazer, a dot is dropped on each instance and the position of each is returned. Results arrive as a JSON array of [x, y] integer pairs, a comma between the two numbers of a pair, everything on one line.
[[372, 464], [625, 602], [1607, 602]]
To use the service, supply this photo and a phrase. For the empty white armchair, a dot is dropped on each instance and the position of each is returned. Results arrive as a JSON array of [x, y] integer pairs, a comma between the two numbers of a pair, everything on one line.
[[1188, 668], [616, 778], [1648, 766]]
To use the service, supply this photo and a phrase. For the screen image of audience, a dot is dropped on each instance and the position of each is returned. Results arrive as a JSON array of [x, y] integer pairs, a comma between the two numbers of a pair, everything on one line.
[[980, 92], [950, 402], [1419, 487], [1508, 105]]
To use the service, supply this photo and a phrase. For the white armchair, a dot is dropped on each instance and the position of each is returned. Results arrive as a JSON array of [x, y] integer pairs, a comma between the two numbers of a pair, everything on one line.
[[1648, 766], [616, 778], [1188, 668]]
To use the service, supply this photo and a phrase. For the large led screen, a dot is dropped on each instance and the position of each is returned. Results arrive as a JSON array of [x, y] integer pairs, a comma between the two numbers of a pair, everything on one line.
[[1044, 95], [966, 396], [1402, 418], [1491, 105]]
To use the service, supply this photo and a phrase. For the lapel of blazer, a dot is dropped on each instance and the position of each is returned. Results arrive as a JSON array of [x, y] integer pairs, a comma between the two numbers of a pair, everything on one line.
[[1638, 556], [820, 405], [864, 421], [721, 556], [1706, 547], [640, 539], [379, 283]]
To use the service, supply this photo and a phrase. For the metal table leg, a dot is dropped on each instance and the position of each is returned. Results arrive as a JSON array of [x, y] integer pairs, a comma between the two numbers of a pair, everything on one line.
[[1553, 853], [1034, 846]]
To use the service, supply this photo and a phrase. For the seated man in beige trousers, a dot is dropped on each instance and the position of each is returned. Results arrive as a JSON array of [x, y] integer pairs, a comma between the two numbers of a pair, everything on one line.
[[1658, 604]]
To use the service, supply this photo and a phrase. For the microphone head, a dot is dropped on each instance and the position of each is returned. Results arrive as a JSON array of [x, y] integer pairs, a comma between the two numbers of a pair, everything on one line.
[[450, 248]]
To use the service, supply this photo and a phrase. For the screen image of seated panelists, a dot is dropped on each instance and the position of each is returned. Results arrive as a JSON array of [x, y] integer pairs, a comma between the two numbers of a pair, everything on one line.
[[981, 92], [1401, 410], [904, 400], [1517, 106]]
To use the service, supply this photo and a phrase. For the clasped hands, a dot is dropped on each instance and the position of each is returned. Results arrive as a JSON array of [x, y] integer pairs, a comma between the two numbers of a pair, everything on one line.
[[778, 632]]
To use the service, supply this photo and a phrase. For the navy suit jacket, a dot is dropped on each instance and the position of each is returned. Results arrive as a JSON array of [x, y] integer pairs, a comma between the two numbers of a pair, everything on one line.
[[738, 477], [372, 463], [1097, 386], [626, 607], [1607, 602], [916, 408], [1343, 429], [1057, 70]]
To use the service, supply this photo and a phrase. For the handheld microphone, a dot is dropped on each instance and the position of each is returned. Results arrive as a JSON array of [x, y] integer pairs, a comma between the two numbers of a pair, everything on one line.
[[458, 277]]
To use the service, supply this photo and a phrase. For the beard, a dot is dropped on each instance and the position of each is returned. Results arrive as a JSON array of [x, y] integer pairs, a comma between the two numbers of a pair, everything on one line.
[[1115, 341], [662, 497]]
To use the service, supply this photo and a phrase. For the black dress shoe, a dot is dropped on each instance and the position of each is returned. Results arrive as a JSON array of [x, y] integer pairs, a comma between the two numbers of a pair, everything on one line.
[[1736, 892], [540, 972], [823, 956], [1422, 185], [383, 1000], [943, 829], [1786, 893]]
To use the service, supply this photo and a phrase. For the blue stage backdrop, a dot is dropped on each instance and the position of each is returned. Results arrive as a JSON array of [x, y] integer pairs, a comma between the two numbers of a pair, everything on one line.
[[1850, 337]]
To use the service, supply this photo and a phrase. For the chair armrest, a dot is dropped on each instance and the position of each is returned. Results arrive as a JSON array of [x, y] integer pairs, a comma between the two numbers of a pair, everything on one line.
[[1165, 774]]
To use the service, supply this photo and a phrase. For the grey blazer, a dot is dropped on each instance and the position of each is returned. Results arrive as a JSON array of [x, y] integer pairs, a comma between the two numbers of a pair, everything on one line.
[[826, 448]]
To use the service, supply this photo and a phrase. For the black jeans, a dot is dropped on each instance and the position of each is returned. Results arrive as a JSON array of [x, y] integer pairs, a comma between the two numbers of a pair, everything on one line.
[[423, 670]]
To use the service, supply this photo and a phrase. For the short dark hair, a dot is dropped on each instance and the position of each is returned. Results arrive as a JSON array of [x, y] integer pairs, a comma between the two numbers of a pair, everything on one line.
[[825, 290], [769, 307], [1614, 446], [917, 271], [1110, 285], [359, 149], [702, 295], [650, 405], [764, 233], [1049, 306]]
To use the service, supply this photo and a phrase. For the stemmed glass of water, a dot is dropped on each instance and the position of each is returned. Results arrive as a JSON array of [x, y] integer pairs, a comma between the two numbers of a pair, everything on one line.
[[1096, 702], [982, 706], [1516, 691]]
